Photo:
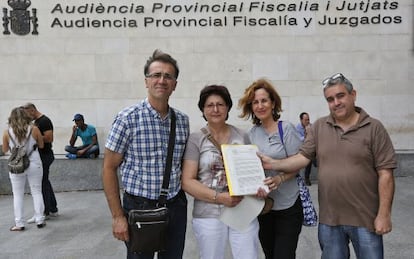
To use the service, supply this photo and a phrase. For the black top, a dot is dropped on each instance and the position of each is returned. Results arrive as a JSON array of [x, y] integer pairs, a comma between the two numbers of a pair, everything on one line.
[[44, 124]]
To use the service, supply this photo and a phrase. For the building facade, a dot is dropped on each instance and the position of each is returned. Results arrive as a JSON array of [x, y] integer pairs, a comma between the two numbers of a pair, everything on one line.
[[87, 57]]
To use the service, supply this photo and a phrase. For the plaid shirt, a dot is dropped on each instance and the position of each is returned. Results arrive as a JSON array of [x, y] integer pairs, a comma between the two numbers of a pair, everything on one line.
[[141, 135]]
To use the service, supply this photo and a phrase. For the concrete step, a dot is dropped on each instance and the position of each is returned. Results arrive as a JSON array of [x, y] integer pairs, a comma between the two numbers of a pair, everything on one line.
[[65, 174]]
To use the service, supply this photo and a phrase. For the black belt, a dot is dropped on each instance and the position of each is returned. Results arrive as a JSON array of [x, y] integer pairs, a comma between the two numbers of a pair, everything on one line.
[[154, 202]]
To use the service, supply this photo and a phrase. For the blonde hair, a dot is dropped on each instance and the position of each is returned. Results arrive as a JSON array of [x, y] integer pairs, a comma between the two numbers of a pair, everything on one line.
[[19, 121]]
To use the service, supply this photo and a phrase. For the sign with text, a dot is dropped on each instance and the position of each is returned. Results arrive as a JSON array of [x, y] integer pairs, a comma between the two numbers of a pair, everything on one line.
[[178, 15]]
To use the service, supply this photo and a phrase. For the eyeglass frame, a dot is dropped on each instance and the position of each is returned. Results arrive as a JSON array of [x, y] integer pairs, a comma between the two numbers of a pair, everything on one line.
[[159, 75], [335, 79], [212, 106]]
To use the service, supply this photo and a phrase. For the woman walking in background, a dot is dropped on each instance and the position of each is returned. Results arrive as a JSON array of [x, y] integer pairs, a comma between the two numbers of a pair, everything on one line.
[[21, 132]]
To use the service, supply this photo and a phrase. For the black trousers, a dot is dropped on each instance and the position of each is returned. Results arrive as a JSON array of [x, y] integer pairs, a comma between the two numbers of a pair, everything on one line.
[[308, 168], [49, 198], [279, 231]]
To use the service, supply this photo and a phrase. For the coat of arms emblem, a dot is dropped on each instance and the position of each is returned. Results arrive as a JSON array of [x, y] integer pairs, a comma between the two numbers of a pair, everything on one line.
[[19, 18]]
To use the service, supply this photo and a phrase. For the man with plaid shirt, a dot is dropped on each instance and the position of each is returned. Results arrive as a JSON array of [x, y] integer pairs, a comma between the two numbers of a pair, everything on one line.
[[137, 145]]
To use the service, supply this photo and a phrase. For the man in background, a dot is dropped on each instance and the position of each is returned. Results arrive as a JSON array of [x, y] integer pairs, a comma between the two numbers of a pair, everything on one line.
[[46, 155], [301, 128], [87, 132]]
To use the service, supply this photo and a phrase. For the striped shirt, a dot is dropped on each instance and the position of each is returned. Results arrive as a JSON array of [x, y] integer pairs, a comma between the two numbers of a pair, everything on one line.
[[141, 135]]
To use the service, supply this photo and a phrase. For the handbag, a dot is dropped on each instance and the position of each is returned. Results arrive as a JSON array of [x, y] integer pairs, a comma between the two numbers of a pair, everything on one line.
[[148, 227], [268, 200], [310, 217], [19, 161]]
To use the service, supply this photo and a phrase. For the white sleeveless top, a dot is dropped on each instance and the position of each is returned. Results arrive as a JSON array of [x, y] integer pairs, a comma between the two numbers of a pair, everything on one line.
[[34, 157]]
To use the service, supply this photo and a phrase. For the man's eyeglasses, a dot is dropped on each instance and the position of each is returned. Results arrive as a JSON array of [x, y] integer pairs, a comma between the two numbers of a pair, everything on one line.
[[211, 106], [334, 79], [158, 75]]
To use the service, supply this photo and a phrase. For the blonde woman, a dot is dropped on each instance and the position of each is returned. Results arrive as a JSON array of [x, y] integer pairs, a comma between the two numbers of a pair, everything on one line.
[[22, 132]]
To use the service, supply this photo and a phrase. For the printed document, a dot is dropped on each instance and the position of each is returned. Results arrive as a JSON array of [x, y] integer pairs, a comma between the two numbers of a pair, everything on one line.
[[243, 168]]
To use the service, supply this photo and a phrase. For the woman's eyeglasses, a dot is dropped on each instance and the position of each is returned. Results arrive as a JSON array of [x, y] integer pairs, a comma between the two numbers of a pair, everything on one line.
[[212, 106]]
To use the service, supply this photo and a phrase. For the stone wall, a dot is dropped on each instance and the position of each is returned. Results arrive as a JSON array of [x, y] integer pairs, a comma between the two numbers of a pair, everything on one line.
[[85, 174], [65, 175]]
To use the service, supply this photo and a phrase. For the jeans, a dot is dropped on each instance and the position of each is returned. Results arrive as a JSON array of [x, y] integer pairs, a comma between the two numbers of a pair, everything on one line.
[[94, 150], [279, 231], [334, 242], [212, 236], [33, 174], [47, 189], [177, 226]]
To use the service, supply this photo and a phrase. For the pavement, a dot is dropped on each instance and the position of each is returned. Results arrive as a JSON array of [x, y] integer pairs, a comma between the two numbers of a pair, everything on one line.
[[83, 229]]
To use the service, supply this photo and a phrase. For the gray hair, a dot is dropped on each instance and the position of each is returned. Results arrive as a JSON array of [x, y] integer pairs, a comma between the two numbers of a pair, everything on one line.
[[335, 79]]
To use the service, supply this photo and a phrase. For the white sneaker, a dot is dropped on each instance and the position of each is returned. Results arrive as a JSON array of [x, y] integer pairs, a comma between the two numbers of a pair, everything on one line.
[[31, 220], [53, 214]]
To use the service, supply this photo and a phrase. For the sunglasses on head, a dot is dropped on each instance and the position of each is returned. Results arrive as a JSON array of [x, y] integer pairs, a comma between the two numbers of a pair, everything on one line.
[[336, 78]]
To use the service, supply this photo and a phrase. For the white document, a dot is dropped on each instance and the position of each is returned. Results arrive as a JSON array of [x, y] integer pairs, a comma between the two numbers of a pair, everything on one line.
[[243, 214], [244, 169]]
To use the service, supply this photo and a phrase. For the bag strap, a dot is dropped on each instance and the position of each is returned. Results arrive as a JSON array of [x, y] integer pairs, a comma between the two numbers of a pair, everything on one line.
[[162, 200], [11, 138], [279, 125], [211, 138], [27, 139]]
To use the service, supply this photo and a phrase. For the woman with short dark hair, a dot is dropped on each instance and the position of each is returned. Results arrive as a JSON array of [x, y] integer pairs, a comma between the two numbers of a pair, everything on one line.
[[204, 178]]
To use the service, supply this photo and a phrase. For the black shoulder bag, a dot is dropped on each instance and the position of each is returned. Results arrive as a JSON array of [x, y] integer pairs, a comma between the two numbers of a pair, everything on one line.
[[148, 227]]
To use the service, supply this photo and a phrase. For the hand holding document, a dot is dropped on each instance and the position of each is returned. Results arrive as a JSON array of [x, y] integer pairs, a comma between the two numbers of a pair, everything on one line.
[[245, 175], [244, 171]]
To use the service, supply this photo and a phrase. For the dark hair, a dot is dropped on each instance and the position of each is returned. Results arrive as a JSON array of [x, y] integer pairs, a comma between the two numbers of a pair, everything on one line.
[[245, 103], [29, 106], [158, 55], [303, 114], [219, 90]]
